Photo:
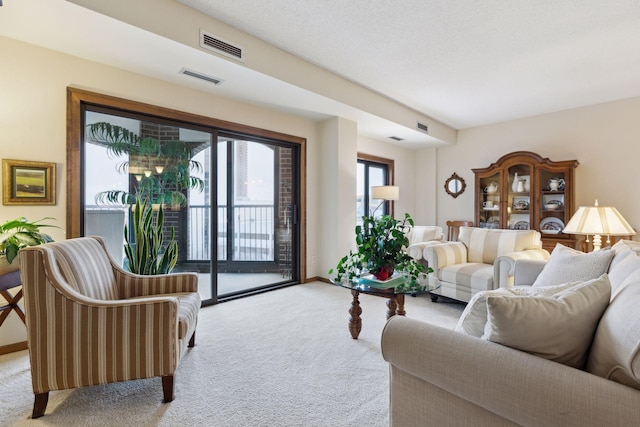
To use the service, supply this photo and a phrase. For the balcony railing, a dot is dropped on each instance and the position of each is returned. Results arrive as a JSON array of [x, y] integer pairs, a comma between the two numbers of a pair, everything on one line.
[[252, 236]]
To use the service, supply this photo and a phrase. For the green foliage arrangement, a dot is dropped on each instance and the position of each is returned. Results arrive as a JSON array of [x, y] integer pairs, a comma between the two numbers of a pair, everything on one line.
[[381, 249], [165, 185], [18, 233], [143, 254]]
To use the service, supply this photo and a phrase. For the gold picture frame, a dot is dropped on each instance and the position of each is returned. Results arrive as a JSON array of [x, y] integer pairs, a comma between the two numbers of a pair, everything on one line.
[[28, 183]]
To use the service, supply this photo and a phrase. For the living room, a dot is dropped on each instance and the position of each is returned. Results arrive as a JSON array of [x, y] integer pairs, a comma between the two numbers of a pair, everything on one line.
[[34, 79]]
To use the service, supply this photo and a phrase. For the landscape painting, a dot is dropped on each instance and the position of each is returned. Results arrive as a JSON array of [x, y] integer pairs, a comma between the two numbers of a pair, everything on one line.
[[28, 182]]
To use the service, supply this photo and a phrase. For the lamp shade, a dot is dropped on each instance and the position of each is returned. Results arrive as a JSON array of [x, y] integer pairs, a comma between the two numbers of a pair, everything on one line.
[[385, 192], [602, 220]]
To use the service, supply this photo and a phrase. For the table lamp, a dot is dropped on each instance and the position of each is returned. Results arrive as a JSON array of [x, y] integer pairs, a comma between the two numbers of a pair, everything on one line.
[[384, 193], [598, 221]]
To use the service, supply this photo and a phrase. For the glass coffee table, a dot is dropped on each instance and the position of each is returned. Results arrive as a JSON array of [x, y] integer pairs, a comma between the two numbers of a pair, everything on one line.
[[394, 290]]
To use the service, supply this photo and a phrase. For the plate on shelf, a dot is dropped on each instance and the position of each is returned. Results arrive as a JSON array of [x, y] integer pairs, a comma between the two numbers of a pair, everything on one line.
[[521, 225], [520, 205], [493, 222], [551, 225]]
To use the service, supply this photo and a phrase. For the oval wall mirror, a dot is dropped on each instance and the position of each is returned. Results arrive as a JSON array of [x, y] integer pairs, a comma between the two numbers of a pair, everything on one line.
[[455, 185]]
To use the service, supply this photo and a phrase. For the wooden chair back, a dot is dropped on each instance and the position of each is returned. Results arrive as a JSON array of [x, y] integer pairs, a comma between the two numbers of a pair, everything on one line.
[[453, 228]]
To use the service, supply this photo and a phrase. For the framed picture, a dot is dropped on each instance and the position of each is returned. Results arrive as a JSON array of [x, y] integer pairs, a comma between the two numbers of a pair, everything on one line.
[[28, 183]]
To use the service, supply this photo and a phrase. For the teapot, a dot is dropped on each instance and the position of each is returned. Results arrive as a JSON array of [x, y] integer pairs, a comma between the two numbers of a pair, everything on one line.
[[556, 184], [491, 188]]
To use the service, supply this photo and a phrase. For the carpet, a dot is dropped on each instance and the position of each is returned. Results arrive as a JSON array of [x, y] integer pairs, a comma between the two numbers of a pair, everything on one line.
[[281, 358]]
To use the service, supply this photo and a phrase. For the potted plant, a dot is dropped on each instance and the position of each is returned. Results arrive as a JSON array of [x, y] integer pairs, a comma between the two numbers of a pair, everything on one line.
[[381, 250], [16, 234], [144, 255]]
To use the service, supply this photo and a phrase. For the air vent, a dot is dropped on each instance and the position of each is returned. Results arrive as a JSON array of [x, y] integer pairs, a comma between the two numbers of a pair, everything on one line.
[[396, 138], [423, 127], [218, 45], [201, 76]]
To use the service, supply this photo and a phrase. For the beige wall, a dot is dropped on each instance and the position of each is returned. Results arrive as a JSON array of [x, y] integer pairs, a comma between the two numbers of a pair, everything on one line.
[[33, 85], [604, 138]]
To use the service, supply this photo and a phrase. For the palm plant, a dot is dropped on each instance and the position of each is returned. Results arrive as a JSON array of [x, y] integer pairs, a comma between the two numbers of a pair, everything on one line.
[[163, 168]]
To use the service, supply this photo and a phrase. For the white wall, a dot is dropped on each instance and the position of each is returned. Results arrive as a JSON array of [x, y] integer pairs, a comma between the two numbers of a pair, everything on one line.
[[604, 138]]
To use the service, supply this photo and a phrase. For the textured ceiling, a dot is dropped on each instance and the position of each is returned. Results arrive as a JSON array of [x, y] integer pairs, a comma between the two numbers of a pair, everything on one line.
[[463, 62]]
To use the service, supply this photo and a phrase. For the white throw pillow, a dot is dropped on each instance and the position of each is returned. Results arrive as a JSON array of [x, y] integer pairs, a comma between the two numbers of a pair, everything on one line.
[[558, 328], [566, 264], [474, 316]]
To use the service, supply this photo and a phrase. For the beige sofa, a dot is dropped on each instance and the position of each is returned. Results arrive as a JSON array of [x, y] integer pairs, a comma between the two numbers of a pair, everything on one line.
[[474, 263], [441, 377]]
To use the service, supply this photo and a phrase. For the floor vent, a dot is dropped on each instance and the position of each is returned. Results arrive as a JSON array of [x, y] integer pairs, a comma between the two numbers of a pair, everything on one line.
[[218, 45], [423, 127], [201, 76], [396, 138]]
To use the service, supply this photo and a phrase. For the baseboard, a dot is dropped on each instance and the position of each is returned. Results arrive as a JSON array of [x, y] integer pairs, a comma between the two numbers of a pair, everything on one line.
[[316, 279], [18, 346]]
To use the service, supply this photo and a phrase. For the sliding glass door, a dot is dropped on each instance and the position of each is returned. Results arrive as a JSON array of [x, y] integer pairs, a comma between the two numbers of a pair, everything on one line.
[[236, 220], [255, 214]]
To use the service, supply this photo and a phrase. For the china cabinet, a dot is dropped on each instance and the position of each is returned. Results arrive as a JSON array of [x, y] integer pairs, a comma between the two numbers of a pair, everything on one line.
[[523, 191]]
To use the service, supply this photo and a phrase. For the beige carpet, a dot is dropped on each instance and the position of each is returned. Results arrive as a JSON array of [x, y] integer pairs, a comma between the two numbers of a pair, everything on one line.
[[282, 358]]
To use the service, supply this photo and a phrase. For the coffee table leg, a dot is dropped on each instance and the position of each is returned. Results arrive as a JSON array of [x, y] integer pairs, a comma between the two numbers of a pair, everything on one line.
[[391, 307], [400, 305], [355, 322]]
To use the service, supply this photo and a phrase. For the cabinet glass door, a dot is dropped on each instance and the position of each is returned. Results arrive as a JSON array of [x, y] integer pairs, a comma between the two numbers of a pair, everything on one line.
[[552, 202], [490, 202], [519, 214]]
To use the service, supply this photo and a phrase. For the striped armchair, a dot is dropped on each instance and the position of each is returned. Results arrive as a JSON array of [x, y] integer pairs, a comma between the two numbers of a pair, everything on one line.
[[475, 262], [90, 322]]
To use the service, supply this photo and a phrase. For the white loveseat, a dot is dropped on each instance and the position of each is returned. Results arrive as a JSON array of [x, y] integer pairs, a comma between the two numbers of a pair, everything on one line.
[[468, 266], [421, 236], [443, 377]]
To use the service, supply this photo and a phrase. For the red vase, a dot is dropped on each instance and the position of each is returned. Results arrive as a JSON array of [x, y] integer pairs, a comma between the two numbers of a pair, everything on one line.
[[384, 272]]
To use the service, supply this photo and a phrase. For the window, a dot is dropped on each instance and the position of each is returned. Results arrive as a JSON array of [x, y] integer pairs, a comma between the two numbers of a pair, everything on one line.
[[372, 171]]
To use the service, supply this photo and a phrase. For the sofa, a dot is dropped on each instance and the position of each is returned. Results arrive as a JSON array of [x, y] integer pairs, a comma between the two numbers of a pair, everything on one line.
[[447, 377], [472, 264]]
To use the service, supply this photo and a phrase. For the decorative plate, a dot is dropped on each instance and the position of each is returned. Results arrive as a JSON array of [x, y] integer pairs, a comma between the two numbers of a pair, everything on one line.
[[520, 205], [551, 225], [521, 225], [493, 222]]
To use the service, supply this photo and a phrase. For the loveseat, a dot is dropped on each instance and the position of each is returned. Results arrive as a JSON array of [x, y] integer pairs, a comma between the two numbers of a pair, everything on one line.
[[421, 236], [447, 377], [473, 263]]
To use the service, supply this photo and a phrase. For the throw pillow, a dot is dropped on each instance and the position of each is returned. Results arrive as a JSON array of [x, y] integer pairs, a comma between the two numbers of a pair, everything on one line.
[[474, 315], [558, 328], [614, 354], [566, 264]]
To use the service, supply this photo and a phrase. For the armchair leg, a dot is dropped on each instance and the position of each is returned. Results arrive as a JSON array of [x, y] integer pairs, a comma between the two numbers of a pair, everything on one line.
[[167, 388], [434, 298], [192, 340], [40, 404]]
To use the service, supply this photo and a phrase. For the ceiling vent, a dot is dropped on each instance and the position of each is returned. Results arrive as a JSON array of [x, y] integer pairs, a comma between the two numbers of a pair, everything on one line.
[[423, 127], [201, 76], [396, 138], [218, 45]]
